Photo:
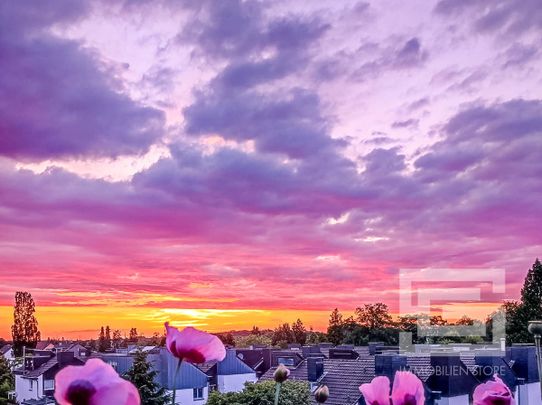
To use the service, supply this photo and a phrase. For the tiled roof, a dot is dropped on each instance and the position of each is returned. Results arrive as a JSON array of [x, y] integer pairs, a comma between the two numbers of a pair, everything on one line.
[[362, 350], [43, 345], [420, 364], [325, 351], [4, 349], [469, 360], [342, 376], [205, 367], [49, 364], [298, 373]]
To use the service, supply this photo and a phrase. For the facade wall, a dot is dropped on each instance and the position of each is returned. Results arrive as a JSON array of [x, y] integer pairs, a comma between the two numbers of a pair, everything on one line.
[[186, 397], [23, 391], [528, 394], [235, 382]]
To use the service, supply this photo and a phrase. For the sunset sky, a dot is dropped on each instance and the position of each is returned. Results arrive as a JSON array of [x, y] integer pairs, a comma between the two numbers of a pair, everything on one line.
[[235, 163]]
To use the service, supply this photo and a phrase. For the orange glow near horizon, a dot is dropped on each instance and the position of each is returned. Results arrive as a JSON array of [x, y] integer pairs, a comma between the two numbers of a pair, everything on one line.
[[85, 322], [73, 322]]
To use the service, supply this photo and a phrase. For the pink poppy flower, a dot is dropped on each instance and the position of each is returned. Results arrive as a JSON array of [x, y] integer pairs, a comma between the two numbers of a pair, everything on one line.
[[407, 389], [193, 345], [95, 383], [493, 393], [377, 392]]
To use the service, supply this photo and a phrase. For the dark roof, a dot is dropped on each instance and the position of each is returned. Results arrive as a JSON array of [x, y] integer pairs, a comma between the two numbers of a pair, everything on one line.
[[297, 373], [206, 367], [4, 349], [41, 401], [420, 364], [342, 376], [232, 365], [453, 379], [49, 364], [189, 375], [252, 357], [42, 345]]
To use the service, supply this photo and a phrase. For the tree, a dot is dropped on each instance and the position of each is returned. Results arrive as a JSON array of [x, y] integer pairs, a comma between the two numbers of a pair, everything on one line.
[[292, 393], [6, 380], [283, 335], [374, 316], [133, 335], [300, 332], [465, 321], [530, 307], [142, 375], [437, 320], [102, 346], [314, 337], [25, 326], [255, 331], [227, 339], [264, 339], [108, 337], [117, 338], [335, 332]]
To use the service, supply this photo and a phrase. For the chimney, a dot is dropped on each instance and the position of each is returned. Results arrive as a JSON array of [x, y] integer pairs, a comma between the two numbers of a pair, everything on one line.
[[315, 368], [64, 358]]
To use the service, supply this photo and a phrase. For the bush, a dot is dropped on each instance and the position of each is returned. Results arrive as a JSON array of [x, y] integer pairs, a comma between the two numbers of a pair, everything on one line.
[[263, 393]]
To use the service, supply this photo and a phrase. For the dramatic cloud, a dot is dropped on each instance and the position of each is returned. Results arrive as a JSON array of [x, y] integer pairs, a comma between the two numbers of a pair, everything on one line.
[[58, 99], [296, 154], [507, 15]]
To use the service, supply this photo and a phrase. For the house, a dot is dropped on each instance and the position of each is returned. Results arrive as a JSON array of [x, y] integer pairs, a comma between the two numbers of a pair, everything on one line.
[[343, 372], [7, 352], [230, 374], [449, 373], [45, 346], [35, 380], [144, 349], [261, 359], [522, 361], [79, 350], [191, 384]]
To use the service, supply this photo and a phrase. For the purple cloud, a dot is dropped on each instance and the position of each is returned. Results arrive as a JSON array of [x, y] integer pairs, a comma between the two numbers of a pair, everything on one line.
[[508, 16], [57, 99]]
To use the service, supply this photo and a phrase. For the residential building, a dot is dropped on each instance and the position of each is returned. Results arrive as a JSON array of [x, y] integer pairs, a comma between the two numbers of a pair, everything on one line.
[[35, 380], [7, 352], [230, 374]]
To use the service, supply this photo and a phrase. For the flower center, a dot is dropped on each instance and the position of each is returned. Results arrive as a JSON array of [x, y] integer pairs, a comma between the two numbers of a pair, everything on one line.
[[410, 400], [192, 356], [80, 392]]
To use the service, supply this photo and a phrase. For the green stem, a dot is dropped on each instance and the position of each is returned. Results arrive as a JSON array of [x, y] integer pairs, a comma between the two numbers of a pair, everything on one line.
[[175, 379], [278, 386]]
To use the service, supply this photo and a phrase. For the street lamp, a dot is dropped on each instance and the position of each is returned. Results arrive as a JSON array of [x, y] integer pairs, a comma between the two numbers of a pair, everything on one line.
[[535, 327]]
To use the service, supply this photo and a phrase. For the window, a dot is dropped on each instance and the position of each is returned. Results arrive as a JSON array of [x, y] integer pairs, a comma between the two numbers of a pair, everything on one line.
[[198, 393], [287, 361], [49, 385], [113, 364]]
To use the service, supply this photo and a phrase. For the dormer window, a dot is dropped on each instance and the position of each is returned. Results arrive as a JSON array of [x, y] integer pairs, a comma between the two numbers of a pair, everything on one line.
[[287, 361]]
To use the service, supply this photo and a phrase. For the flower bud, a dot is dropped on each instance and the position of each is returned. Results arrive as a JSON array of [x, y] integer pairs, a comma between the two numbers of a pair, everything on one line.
[[281, 373], [321, 394]]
